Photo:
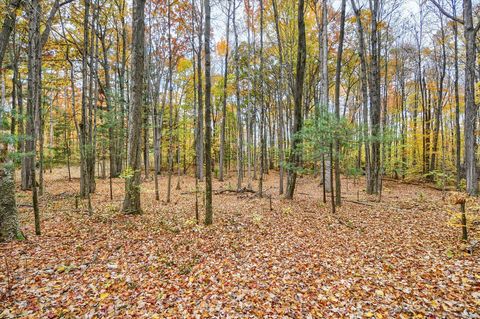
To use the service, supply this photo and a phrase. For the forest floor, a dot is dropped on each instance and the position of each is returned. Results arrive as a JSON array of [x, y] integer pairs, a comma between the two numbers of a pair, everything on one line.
[[394, 258]]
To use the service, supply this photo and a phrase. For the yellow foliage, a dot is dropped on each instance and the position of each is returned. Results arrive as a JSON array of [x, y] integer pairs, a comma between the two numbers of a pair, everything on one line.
[[222, 47]]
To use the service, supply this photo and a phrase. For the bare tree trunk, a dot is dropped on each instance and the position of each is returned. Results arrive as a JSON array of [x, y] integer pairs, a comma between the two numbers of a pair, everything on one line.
[[34, 98], [92, 102], [146, 143], [262, 107], [364, 88], [84, 123], [14, 111], [121, 71], [457, 103], [249, 120], [199, 148], [66, 136], [425, 124], [338, 190], [332, 195], [20, 112], [373, 186], [114, 172], [280, 132], [324, 92], [471, 109], [177, 140], [157, 136], [224, 102], [39, 128], [238, 104], [414, 119], [156, 150], [131, 203], [8, 25], [439, 106], [9, 225], [297, 126], [170, 104], [208, 120]]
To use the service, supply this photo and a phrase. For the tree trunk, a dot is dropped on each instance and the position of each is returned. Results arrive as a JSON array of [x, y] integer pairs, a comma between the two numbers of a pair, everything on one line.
[[470, 107], [34, 98], [208, 120], [324, 92], [199, 147], [338, 190], [364, 88], [170, 104], [280, 137], [373, 186], [85, 121], [9, 226], [439, 106], [8, 25], [112, 122], [457, 103], [131, 203], [224, 101], [262, 107], [294, 158], [238, 104]]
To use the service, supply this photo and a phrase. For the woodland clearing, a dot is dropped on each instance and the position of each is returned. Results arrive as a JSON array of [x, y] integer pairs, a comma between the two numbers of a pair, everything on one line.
[[394, 258]]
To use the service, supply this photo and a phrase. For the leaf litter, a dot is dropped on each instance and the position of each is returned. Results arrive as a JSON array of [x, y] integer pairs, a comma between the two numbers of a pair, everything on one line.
[[397, 258]]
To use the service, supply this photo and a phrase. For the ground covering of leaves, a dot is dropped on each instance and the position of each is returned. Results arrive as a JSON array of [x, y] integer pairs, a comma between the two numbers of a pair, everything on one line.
[[395, 259]]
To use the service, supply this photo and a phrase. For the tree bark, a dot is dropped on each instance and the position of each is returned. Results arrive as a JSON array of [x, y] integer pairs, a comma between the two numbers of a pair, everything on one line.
[[281, 125], [208, 120], [373, 185], [324, 93], [457, 103], [33, 101], [471, 109], [439, 106], [338, 190], [9, 225], [7, 26], [170, 103], [224, 101], [199, 147], [238, 104], [364, 88], [131, 203], [294, 159], [262, 106]]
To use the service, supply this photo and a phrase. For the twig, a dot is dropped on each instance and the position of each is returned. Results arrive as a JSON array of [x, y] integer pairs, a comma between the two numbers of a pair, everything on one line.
[[240, 191], [25, 205], [358, 202]]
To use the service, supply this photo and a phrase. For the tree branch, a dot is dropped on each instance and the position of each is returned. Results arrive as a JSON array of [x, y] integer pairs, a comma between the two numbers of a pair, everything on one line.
[[57, 5], [445, 13], [8, 25]]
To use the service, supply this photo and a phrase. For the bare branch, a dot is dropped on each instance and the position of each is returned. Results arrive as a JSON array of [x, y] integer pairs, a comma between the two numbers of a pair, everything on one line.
[[445, 13], [51, 15]]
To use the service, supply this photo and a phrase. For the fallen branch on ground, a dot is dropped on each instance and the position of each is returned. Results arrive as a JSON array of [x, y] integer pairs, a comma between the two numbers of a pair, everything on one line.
[[239, 191]]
